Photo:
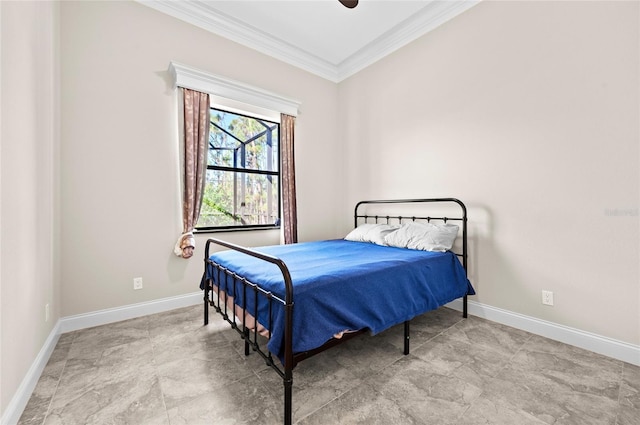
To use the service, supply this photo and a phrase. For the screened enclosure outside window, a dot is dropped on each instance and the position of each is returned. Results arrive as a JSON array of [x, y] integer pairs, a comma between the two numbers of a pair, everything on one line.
[[242, 189]]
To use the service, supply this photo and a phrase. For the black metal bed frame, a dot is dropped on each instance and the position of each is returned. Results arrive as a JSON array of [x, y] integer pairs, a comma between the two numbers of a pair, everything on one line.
[[251, 336]]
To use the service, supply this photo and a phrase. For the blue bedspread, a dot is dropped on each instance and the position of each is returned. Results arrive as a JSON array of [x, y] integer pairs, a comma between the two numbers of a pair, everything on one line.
[[342, 285]]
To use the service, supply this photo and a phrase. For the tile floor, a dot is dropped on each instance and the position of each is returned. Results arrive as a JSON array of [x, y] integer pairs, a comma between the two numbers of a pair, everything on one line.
[[169, 369]]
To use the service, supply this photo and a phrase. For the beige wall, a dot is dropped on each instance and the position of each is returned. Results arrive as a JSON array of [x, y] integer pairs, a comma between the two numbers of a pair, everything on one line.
[[120, 190], [528, 112], [29, 277]]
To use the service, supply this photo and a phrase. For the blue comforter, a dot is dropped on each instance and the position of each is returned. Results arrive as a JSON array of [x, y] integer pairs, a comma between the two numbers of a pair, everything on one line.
[[342, 285]]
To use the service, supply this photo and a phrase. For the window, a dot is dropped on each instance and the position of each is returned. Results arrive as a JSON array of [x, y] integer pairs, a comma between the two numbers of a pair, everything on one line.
[[242, 187], [227, 203]]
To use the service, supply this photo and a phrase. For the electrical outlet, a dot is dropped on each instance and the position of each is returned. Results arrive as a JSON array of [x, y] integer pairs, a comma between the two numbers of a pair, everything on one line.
[[46, 313], [137, 283], [547, 297]]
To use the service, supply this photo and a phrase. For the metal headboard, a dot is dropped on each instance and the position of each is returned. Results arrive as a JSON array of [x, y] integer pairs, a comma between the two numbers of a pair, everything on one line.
[[458, 216]]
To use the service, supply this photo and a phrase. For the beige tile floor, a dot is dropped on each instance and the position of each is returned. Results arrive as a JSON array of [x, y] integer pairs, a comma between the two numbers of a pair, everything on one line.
[[169, 369]]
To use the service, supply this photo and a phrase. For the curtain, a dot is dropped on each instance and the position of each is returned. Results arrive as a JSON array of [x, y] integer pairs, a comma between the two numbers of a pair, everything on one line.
[[196, 141], [289, 213]]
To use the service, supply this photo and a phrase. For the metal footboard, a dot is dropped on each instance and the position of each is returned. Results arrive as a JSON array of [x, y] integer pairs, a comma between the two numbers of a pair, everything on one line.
[[250, 336]]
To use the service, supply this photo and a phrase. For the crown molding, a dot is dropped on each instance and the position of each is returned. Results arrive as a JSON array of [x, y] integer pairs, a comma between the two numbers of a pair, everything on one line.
[[198, 13]]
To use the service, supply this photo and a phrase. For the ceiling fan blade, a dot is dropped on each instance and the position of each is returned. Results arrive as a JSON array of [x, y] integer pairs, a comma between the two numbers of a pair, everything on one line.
[[349, 3]]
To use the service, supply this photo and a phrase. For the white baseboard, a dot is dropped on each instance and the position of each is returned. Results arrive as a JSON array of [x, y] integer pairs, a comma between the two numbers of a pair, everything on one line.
[[16, 406], [131, 311], [589, 341]]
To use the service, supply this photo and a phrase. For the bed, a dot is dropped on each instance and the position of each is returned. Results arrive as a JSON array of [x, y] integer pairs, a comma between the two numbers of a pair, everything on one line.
[[290, 302]]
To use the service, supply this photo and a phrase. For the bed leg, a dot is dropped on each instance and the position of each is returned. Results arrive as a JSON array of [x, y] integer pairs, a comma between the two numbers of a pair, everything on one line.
[[288, 389], [406, 337], [246, 342], [464, 307], [206, 306]]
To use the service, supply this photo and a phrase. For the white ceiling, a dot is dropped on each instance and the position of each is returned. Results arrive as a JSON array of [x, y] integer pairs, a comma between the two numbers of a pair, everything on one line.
[[320, 36]]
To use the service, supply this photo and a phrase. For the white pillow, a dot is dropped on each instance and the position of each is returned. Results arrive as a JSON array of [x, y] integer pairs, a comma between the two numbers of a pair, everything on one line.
[[377, 234], [370, 232], [358, 234], [424, 236]]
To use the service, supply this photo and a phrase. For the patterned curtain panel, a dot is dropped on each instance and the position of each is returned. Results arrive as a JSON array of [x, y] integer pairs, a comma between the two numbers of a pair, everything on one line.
[[289, 215], [196, 139]]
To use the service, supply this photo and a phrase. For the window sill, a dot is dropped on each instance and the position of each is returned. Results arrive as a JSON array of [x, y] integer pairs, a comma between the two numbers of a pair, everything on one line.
[[233, 229]]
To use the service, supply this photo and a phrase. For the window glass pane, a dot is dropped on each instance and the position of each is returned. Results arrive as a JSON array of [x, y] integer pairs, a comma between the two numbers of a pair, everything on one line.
[[242, 142], [233, 197], [221, 148], [255, 201]]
